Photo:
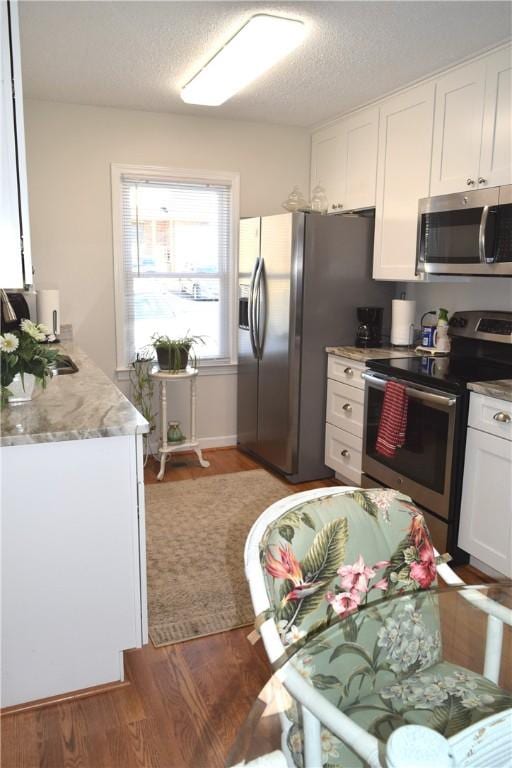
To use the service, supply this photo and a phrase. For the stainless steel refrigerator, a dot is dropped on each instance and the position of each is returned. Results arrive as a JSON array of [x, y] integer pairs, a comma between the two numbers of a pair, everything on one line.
[[301, 277]]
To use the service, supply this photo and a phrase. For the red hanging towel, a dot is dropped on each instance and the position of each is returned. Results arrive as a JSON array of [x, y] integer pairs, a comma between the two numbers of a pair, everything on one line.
[[393, 419]]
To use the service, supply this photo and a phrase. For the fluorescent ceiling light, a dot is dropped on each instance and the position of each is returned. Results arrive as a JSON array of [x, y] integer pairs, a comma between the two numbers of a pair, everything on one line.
[[262, 42]]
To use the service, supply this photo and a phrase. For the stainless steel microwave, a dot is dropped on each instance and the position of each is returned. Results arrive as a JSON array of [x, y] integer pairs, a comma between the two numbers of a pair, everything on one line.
[[468, 233]]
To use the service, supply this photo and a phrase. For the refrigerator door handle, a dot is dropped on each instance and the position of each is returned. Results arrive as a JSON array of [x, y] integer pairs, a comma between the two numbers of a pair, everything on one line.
[[257, 308], [251, 309]]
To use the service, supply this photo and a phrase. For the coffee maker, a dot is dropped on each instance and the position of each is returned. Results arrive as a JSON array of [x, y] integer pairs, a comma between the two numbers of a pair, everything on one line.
[[369, 330]]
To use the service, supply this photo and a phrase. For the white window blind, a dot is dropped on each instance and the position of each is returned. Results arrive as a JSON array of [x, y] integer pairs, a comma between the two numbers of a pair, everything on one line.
[[176, 257]]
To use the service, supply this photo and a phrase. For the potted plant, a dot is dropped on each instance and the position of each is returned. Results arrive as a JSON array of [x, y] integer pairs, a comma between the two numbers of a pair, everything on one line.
[[24, 362], [174, 354], [143, 386]]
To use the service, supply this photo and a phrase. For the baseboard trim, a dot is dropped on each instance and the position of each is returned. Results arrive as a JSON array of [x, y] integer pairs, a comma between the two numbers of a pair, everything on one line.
[[63, 697], [486, 569], [224, 441]]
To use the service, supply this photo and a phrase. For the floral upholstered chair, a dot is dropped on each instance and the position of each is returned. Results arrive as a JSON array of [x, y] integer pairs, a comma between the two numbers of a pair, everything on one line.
[[316, 558]]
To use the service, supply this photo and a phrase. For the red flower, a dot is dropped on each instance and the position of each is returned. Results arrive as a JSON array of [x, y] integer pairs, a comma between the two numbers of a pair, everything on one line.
[[424, 571], [418, 534], [300, 591], [286, 567]]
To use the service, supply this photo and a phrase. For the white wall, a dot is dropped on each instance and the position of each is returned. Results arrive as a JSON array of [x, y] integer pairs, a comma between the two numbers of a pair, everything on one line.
[[69, 151], [460, 293]]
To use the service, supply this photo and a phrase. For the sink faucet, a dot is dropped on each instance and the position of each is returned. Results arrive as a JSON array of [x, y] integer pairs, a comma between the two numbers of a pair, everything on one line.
[[8, 313]]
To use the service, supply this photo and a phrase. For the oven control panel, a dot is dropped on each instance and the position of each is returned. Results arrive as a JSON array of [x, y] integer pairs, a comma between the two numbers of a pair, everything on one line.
[[501, 327], [479, 324]]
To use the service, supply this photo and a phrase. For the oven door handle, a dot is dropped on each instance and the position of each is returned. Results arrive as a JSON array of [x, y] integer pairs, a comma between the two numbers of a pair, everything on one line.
[[417, 394]]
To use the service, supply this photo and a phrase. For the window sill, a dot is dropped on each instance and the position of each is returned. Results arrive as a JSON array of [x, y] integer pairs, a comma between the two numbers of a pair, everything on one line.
[[205, 369]]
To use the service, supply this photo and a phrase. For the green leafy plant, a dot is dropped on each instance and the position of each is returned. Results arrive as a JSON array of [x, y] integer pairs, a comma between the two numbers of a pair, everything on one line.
[[174, 354], [21, 352], [142, 386]]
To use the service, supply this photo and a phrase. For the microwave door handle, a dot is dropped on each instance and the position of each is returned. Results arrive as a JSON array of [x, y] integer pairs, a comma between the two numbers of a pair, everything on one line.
[[417, 394], [481, 234]]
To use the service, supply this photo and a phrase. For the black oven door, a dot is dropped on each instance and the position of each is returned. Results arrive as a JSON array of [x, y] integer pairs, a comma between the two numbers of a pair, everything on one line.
[[422, 467]]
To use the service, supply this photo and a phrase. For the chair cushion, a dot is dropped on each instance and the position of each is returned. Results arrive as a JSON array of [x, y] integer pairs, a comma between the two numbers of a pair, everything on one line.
[[444, 697], [331, 554]]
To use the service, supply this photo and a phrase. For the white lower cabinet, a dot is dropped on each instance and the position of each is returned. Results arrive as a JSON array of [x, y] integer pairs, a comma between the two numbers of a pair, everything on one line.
[[344, 418], [343, 453], [345, 407], [73, 564], [486, 511]]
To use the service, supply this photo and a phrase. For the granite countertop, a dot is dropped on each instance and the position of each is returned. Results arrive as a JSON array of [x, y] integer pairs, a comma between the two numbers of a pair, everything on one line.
[[370, 353], [501, 389], [74, 406]]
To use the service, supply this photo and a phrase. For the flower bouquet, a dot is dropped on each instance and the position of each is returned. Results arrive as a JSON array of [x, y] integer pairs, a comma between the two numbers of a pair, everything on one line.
[[24, 361]]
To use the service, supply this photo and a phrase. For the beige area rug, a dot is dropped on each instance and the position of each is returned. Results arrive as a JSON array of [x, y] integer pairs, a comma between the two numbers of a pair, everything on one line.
[[196, 532]]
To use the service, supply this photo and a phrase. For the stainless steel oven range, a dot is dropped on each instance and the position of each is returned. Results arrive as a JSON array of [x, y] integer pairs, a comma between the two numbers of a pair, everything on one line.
[[429, 466]]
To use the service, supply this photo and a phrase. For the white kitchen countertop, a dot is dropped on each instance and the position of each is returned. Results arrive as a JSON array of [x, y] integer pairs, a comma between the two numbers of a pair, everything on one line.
[[370, 353], [501, 389], [74, 406]]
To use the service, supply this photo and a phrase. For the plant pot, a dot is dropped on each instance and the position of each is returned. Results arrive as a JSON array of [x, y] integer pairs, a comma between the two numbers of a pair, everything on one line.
[[174, 433], [172, 358], [144, 367], [22, 391]]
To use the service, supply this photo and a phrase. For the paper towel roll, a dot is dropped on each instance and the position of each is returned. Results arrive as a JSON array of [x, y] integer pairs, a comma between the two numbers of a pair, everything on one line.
[[47, 305], [403, 312]]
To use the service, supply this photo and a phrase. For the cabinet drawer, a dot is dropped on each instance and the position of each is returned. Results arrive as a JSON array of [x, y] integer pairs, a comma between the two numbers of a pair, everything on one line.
[[345, 407], [343, 452], [489, 414], [345, 370]]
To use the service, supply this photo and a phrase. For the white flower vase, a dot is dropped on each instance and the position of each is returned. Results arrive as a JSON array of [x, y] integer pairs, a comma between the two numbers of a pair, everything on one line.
[[22, 391]]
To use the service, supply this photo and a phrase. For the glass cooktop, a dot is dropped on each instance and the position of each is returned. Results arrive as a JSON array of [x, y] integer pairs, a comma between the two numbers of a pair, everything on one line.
[[448, 373]]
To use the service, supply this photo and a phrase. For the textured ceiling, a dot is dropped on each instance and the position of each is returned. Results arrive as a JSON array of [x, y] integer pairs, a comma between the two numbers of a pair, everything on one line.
[[138, 54]]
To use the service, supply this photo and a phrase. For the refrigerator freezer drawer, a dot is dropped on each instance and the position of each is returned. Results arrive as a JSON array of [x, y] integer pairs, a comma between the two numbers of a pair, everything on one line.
[[343, 453], [345, 407], [345, 370]]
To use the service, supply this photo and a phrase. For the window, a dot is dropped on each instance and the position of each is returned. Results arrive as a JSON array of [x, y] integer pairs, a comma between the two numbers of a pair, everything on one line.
[[174, 245]]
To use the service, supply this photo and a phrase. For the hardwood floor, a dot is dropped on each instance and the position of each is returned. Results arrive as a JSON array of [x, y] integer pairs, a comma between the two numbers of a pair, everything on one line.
[[185, 702]]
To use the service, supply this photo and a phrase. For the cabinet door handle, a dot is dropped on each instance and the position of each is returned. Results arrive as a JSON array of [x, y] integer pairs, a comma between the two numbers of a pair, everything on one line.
[[470, 182], [504, 418], [345, 453], [347, 407], [348, 372], [482, 180]]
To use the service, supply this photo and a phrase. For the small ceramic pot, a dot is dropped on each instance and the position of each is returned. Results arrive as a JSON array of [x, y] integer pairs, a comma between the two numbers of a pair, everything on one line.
[[174, 433]]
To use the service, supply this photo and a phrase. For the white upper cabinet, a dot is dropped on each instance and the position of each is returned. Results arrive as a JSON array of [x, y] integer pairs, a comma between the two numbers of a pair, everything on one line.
[[327, 168], [15, 264], [359, 142], [458, 129], [344, 161], [496, 156], [472, 130], [403, 175]]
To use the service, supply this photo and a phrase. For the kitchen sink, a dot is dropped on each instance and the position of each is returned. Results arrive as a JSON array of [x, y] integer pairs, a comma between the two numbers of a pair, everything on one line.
[[64, 364]]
